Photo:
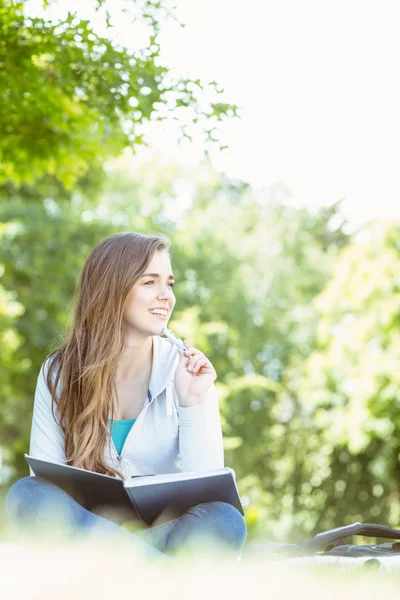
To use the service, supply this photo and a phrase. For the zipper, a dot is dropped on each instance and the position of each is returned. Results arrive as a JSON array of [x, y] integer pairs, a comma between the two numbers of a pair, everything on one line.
[[120, 456]]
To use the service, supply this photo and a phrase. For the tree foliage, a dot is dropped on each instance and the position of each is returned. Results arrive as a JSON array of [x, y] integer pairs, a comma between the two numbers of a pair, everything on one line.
[[350, 383], [69, 98], [244, 290], [299, 318]]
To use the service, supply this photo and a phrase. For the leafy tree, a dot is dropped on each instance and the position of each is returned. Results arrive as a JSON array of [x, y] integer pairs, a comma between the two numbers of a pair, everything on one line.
[[70, 98], [43, 246], [350, 385], [301, 326]]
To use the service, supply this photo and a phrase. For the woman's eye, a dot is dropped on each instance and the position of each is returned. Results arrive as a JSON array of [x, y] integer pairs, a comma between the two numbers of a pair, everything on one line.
[[152, 281], [171, 285]]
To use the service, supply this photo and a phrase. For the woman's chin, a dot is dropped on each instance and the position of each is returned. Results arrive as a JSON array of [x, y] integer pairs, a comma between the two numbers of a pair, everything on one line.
[[158, 330], [156, 327]]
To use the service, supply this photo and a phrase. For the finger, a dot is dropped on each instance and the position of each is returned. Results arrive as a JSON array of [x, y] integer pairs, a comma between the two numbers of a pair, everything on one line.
[[183, 354], [201, 366], [191, 350], [206, 369], [183, 359], [198, 364], [195, 357], [188, 347]]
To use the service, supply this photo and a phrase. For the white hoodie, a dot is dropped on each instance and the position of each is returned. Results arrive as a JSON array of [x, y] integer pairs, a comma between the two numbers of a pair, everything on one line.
[[165, 438]]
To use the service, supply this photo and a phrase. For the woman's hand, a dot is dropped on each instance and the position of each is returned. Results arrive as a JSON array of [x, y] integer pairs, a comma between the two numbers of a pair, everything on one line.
[[194, 376]]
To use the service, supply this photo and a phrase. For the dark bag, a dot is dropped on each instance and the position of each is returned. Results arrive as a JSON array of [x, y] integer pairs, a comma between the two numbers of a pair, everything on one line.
[[333, 543]]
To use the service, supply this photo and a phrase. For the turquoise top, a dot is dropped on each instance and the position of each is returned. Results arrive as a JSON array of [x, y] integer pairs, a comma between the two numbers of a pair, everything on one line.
[[120, 429], [119, 432]]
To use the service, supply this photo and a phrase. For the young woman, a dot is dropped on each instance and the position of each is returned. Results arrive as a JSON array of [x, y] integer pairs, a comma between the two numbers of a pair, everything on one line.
[[118, 399]]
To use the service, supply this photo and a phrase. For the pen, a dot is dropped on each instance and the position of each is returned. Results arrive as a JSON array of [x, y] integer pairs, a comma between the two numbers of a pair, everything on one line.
[[168, 333]]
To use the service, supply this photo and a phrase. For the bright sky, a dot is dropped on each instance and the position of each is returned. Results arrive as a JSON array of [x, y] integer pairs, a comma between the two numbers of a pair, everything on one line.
[[318, 85]]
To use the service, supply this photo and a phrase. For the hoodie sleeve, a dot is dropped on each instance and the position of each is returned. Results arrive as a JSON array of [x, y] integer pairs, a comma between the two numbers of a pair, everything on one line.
[[200, 435], [47, 439]]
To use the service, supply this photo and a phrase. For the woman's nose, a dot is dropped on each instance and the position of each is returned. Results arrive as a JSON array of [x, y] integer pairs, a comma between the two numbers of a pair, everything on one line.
[[165, 293]]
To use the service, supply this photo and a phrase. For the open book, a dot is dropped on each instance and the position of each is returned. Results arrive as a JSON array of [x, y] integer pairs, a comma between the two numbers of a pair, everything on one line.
[[144, 497]]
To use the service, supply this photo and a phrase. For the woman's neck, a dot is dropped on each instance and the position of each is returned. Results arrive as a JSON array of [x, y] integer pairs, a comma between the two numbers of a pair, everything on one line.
[[136, 360]]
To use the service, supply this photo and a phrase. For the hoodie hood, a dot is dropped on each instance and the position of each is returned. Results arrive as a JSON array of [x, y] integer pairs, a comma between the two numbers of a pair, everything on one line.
[[165, 361]]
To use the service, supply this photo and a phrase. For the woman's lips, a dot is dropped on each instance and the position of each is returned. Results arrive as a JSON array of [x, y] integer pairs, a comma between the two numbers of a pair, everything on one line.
[[163, 317]]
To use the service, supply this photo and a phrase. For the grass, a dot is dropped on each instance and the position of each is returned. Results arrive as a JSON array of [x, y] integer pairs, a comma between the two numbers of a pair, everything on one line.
[[48, 569], [74, 572]]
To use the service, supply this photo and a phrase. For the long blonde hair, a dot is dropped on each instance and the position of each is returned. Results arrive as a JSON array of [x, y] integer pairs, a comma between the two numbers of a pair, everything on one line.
[[86, 363]]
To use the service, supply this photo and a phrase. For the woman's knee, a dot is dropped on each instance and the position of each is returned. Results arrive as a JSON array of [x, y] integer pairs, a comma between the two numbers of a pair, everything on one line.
[[33, 496], [19, 493], [25, 488], [225, 521]]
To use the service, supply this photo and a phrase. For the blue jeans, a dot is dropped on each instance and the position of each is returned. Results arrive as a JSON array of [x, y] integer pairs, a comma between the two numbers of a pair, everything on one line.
[[34, 502]]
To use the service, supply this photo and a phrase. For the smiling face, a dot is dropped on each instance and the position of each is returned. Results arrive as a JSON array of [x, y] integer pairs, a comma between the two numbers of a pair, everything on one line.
[[151, 300]]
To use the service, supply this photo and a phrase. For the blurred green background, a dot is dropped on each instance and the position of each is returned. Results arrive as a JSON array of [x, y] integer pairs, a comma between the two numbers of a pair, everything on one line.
[[297, 311]]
